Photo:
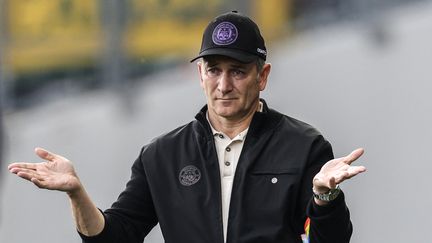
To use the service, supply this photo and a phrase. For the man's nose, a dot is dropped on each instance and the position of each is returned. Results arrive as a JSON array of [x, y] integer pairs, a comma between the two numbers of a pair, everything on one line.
[[225, 83]]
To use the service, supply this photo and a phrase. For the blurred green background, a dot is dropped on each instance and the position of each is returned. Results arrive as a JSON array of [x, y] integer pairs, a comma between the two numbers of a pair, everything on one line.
[[46, 41]]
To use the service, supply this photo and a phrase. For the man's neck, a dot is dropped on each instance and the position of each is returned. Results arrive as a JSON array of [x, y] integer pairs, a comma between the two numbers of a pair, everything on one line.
[[228, 127], [231, 127]]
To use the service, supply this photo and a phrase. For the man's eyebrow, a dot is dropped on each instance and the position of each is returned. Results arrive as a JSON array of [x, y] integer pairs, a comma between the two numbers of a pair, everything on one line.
[[235, 65], [241, 66], [211, 64]]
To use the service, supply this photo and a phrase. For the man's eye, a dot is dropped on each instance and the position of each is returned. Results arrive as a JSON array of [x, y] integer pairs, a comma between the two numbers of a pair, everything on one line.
[[238, 73], [212, 71]]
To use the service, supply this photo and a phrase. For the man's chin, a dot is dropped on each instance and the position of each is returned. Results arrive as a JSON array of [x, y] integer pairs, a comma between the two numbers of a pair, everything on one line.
[[225, 112]]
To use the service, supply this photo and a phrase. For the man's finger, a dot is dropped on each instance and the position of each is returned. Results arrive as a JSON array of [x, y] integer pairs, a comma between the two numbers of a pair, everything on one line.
[[40, 183], [25, 175], [18, 170], [45, 154], [354, 170], [350, 173], [341, 176], [22, 165], [353, 156], [29, 175], [332, 183]]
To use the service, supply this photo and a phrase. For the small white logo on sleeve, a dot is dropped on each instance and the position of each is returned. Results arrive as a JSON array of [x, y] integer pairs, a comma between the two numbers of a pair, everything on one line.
[[189, 175]]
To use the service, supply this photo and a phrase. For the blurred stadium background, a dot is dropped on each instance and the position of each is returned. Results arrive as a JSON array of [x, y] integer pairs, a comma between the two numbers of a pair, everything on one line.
[[96, 80]]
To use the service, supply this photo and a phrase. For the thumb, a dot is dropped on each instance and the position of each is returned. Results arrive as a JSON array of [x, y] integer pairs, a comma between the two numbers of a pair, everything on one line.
[[354, 155], [45, 154]]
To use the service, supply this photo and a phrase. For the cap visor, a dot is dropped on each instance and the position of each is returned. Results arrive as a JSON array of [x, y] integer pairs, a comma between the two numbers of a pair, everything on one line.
[[241, 56]]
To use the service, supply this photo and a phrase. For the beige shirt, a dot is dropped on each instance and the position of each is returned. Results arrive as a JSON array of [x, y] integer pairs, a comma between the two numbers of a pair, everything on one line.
[[228, 152]]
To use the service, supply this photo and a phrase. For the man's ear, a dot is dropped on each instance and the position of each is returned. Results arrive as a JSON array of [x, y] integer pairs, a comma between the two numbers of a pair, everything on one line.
[[263, 76], [200, 72]]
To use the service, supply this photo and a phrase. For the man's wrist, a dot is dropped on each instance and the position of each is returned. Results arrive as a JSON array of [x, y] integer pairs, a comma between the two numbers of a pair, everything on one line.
[[77, 192], [323, 198]]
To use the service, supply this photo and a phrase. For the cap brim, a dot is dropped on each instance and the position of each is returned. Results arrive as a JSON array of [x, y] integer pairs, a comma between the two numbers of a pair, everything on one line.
[[241, 56]]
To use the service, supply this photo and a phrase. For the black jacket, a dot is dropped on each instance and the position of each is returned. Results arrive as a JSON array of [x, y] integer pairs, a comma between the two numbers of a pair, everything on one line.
[[175, 182]]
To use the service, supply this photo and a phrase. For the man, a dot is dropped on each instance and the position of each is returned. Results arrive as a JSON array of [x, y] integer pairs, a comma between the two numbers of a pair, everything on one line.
[[241, 172]]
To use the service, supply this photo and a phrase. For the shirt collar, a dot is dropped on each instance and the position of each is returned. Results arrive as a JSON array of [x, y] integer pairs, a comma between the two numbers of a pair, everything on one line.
[[241, 135]]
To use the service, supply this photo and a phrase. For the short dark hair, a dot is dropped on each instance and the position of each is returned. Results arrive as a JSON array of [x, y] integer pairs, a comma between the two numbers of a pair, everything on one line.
[[259, 64]]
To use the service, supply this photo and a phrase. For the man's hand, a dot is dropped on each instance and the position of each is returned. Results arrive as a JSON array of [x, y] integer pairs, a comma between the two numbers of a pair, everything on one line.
[[336, 171], [57, 173]]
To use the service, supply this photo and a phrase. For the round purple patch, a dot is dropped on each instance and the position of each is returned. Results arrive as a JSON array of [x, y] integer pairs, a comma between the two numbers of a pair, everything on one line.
[[225, 33]]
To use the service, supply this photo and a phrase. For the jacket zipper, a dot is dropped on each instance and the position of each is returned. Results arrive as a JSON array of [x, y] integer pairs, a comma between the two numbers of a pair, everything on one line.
[[219, 192]]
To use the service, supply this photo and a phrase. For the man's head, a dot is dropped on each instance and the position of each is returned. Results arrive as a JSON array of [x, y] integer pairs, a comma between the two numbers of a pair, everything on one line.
[[233, 70]]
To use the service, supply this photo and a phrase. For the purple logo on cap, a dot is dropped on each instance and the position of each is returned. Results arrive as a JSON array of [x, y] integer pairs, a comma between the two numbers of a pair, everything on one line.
[[225, 33]]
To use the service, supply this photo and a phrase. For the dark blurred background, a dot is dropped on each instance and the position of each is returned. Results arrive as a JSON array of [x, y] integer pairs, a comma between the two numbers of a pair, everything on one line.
[[96, 80]]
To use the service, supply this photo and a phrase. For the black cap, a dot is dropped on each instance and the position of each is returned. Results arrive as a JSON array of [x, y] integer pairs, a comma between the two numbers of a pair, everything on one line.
[[234, 35]]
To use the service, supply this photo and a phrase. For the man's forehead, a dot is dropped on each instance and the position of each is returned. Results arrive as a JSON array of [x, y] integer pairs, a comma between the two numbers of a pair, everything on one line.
[[218, 59]]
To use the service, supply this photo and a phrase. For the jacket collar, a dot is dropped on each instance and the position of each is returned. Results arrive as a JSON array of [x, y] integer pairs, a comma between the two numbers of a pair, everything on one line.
[[261, 121]]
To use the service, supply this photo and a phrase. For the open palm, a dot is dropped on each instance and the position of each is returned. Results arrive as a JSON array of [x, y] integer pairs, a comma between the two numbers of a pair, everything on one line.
[[336, 171], [56, 173]]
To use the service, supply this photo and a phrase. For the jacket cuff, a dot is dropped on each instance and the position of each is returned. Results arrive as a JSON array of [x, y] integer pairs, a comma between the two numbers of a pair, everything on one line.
[[330, 223], [316, 210], [99, 238]]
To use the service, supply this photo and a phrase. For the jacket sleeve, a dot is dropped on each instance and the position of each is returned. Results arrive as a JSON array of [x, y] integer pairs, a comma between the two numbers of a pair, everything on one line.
[[330, 223], [132, 216]]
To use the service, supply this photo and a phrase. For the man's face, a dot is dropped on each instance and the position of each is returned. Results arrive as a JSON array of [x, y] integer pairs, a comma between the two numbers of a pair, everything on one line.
[[231, 87]]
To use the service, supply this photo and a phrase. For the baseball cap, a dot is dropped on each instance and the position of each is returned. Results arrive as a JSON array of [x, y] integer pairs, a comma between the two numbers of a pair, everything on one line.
[[234, 35]]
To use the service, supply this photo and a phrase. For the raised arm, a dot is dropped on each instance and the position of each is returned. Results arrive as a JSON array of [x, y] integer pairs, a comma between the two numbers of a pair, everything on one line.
[[57, 173], [330, 220]]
